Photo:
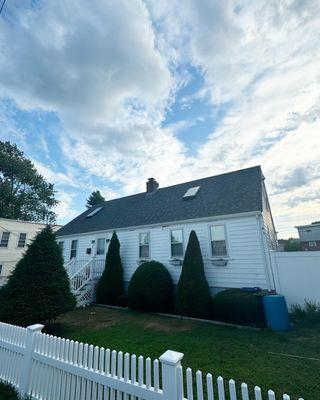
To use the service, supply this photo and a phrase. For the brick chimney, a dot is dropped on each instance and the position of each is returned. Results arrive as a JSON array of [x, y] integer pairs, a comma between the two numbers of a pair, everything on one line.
[[152, 185]]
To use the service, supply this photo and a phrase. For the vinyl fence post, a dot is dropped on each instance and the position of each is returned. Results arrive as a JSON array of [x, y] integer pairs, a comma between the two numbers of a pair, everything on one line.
[[26, 364], [170, 362]]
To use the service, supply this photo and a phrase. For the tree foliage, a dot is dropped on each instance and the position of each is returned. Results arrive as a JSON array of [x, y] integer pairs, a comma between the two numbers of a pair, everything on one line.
[[193, 297], [151, 288], [24, 192], [38, 289], [94, 198], [110, 286]]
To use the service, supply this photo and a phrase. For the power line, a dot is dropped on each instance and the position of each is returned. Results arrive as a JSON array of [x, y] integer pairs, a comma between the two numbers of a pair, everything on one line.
[[3, 3]]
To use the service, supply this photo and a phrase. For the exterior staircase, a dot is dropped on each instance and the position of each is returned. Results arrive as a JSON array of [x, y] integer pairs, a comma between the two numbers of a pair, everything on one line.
[[84, 276]]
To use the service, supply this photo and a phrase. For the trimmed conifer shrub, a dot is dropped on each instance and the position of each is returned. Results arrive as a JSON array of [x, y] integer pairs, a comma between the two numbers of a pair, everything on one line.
[[110, 286], [151, 288], [38, 290], [193, 297]]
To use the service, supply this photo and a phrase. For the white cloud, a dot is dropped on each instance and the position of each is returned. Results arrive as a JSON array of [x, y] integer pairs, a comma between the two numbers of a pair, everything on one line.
[[109, 72], [65, 209]]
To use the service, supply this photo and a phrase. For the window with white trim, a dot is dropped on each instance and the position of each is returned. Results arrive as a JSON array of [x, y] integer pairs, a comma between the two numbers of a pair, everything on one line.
[[0, 269], [61, 245], [22, 239], [73, 251], [312, 244], [218, 241], [5, 239], [176, 237], [101, 246], [144, 245]]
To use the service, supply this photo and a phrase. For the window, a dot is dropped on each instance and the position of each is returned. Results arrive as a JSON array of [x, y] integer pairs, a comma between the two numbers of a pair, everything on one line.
[[191, 192], [4, 239], [144, 245], [177, 243], [101, 246], [312, 244], [73, 251], [218, 241], [0, 269], [22, 240], [94, 212], [61, 245]]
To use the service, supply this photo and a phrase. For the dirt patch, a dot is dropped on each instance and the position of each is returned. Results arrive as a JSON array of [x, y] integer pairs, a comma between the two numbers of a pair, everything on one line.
[[164, 326]]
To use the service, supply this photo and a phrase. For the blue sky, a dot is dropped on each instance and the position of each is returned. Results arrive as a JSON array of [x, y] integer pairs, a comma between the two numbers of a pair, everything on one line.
[[103, 97]]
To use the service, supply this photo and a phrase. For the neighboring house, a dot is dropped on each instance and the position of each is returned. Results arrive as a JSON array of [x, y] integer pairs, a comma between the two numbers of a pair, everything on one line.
[[15, 235], [229, 212], [309, 236]]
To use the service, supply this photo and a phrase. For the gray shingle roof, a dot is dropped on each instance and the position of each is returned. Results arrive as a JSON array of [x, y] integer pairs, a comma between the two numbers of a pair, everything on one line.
[[229, 193]]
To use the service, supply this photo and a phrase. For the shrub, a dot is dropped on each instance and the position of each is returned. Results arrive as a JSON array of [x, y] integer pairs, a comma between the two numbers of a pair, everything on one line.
[[8, 392], [309, 312], [193, 297], [151, 288], [110, 286], [38, 290], [239, 307]]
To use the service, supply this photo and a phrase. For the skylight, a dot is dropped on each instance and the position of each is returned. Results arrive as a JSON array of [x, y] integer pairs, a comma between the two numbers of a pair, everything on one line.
[[94, 212], [191, 192]]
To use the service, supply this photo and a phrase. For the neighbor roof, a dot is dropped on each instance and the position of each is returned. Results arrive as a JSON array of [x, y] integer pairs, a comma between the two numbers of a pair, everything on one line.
[[230, 193]]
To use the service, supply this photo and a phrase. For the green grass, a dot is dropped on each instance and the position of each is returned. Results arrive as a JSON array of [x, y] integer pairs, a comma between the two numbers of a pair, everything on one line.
[[241, 354], [7, 392]]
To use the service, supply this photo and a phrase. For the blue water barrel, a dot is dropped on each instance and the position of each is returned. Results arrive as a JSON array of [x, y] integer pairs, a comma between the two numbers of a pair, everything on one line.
[[276, 312]]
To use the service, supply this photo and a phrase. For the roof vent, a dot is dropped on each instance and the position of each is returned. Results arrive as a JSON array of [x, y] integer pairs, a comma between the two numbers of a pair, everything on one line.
[[152, 185], [191, 192], [94, 212]]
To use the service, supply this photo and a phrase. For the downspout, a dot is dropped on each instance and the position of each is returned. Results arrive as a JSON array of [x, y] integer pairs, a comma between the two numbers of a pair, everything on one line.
[[266, 255]]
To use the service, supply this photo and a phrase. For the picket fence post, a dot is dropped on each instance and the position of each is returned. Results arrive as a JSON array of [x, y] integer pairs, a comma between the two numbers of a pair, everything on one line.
[[32, 330], [170, 363]]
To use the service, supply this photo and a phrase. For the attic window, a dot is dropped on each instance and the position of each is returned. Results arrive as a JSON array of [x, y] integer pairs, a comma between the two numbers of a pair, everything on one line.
[[191, 192], [94, 212]]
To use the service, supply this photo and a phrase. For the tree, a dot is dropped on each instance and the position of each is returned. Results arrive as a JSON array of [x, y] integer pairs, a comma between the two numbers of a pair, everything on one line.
[[24, 192], [110, 286], [94, 198], [193, 297], [38, 290]]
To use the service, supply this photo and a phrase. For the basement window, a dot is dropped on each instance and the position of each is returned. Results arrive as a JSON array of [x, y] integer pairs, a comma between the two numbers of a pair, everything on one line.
[[191, 192], [94, 212]]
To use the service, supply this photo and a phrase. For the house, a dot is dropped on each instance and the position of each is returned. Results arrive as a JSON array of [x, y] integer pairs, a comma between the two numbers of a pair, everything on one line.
[[229, 212], [309, 236], [15, 235]]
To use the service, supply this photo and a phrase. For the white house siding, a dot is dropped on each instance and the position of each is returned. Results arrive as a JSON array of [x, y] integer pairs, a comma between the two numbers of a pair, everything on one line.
[[246, 266], [10, 255]]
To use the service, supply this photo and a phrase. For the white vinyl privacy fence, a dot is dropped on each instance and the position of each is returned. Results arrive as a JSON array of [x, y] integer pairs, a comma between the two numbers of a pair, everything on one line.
[[50, 368]]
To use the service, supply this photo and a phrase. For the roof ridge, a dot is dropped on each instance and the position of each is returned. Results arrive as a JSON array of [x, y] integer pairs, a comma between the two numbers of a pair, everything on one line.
[[184, 183]]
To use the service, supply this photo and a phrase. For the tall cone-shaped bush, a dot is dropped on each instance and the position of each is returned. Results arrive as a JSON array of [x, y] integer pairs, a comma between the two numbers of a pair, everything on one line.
[[193, 297]]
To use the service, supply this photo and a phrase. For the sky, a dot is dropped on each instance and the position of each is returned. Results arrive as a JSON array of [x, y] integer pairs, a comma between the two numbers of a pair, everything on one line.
[[105, 94]]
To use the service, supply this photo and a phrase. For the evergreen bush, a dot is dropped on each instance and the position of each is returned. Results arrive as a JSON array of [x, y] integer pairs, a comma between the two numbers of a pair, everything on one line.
[[238, 307], [110, 286], [193, 297], [151, 288], [38, 289]]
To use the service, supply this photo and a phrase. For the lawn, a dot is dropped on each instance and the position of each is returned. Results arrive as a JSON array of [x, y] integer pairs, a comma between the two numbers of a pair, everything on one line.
[[255, 357]]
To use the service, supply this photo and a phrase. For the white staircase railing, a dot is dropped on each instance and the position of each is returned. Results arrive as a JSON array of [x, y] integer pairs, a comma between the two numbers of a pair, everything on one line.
[[83, 276]]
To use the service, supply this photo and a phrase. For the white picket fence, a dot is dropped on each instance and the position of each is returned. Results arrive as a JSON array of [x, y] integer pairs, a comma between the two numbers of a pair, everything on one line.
[[50, 368]]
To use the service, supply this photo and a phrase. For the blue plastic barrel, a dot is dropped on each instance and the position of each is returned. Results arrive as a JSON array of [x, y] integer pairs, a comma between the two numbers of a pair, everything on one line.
[[276, 312]]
